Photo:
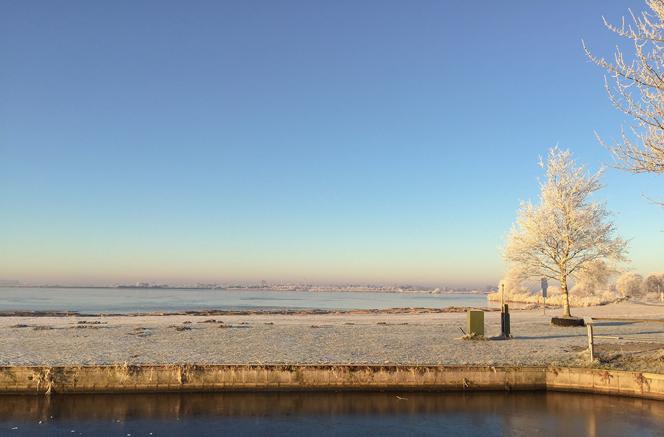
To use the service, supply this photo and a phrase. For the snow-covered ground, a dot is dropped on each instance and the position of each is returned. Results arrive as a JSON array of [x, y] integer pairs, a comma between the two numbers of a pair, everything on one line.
[[406, 338]]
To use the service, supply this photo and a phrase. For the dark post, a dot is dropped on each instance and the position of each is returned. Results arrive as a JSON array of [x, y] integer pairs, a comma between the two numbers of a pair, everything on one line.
[[506, 321], [502, 309], [504, 314], [502, 320]]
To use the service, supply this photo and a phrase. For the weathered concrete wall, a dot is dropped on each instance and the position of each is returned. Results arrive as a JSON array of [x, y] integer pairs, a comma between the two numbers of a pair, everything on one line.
[[169, 378], [646, 385]]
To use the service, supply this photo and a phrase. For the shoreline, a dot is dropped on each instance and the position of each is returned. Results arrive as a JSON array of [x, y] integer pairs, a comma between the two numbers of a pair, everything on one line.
[[256, 312], [40, 380]]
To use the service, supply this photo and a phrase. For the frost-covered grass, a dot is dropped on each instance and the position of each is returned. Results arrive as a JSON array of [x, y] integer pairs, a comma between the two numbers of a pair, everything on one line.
[[576, 299], [600, 298], [405, 338]]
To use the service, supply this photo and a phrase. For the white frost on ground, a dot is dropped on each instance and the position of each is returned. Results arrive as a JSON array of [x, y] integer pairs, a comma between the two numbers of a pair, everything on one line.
[[575, 300], [329, 338]]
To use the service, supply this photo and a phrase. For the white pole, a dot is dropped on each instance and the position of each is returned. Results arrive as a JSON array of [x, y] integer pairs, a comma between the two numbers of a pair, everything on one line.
[[545, 286], [591, 347], [502, 297]]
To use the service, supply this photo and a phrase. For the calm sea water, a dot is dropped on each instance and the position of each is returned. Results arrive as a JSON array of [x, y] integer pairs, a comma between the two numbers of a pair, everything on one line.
[[113, 300], [329, 414]]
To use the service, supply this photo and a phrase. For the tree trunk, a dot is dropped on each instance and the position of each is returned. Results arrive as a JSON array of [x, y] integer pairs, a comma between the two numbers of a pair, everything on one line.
[[563, 289]]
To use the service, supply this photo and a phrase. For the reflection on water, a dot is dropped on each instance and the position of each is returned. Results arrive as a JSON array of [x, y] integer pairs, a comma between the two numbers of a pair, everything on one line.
[[119, 300], [487, 414]]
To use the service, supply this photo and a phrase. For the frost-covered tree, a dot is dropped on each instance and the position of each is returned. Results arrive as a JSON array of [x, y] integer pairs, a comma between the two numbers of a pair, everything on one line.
[[513, 280], [636, 87], [654, 283], [592, 278], [630, 284], [566, 231]]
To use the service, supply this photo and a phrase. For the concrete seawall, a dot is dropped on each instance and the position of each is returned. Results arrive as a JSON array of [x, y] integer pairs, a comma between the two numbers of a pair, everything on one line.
[[202, 378]]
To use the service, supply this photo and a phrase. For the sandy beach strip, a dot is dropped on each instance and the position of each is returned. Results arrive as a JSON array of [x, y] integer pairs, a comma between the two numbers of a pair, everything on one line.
[[332, 338]]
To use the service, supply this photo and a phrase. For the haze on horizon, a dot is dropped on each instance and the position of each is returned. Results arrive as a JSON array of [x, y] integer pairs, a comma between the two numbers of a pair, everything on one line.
[[328, 142]]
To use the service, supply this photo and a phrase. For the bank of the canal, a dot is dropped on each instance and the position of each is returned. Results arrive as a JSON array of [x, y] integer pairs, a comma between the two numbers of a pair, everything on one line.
[[230, 378]]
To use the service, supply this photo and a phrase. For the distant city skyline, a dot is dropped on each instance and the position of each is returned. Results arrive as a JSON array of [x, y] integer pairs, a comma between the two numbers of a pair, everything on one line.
[[322, 142], [251, 285], [277, 286]]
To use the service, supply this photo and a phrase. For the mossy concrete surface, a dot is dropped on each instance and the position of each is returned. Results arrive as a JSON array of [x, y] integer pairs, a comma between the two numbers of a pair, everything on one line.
[[201, 378]]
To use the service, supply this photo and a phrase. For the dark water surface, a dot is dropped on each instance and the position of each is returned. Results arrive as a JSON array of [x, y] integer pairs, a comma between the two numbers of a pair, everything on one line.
[[123, 300], [328, 414]]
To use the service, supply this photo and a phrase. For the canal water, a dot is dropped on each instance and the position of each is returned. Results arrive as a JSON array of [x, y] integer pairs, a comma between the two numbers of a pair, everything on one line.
[[128, 300], [331, 414]]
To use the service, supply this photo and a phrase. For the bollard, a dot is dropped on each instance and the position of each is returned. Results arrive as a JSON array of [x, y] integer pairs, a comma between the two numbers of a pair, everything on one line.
[[505, 321], [502, 319]]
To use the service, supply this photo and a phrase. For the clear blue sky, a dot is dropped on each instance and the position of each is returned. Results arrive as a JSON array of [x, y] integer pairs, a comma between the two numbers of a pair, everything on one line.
[[370, 141]]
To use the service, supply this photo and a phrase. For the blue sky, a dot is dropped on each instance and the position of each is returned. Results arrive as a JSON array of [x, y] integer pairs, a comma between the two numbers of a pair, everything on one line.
[[373, 141]]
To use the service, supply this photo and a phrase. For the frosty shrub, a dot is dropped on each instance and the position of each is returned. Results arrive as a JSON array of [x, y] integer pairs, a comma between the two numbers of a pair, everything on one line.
[[593, 279], [653, 285], [630, 284]]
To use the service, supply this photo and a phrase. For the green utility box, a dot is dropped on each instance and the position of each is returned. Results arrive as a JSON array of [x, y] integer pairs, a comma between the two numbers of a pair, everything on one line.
[[476, 322]]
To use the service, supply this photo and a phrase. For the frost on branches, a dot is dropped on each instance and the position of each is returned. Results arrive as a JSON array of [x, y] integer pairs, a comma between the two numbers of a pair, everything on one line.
[[593, 279], [636, 87], [565, 232], [630, 284]]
